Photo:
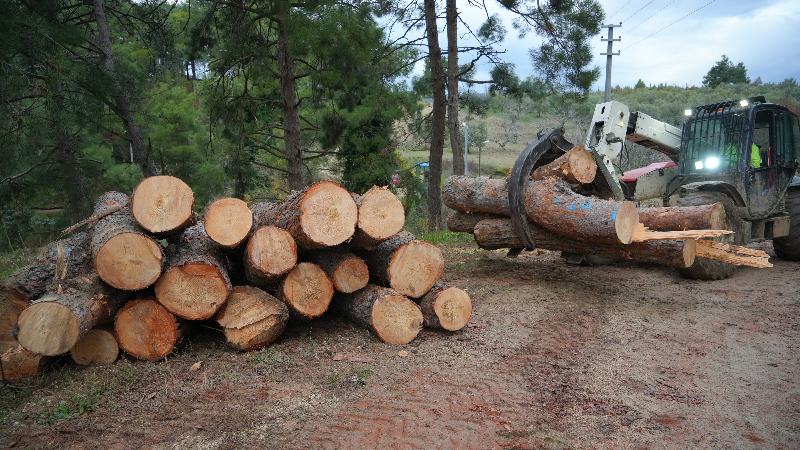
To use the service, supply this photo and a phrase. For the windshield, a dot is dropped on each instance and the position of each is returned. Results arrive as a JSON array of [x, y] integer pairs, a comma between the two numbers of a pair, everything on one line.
[[714, 143]]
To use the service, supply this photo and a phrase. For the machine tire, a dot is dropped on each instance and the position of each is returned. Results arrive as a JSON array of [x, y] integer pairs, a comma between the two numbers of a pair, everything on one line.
[[788, 247], [704, 268]]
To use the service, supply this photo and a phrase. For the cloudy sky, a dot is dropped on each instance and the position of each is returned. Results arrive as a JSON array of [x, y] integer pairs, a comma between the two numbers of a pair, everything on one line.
[[763, 34]]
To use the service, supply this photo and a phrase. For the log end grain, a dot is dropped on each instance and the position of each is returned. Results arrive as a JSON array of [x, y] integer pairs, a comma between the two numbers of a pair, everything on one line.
[[582, 165], [129, 261], [48, 328], [307, 290], [146, 330], [329, 214], [97, 347], [228, 222], [19, 363], [351, 275], [194, 291], [415, 267], [162, 204], [689, 251], [380, 214], [270, 253], [252, 319], [396, 319], [626, 222], [446, 307]]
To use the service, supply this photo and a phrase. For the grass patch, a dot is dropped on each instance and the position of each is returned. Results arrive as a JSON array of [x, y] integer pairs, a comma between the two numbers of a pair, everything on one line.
[[268, 355], [11, 261], [447, 237], [77, 406]]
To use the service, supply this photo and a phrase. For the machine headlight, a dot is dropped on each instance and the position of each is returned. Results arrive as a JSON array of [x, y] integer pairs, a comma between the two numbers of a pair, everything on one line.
[[688, 112], [743, 103], [712, 163], [698, 165]]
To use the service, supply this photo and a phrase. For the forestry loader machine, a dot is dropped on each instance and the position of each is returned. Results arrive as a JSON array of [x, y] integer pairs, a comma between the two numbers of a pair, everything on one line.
[[743, 154]]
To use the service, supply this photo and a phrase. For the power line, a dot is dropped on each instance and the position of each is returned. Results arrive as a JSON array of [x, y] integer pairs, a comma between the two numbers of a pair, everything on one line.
[[645, 20], [673, 23], [637, 12], [623, 6]]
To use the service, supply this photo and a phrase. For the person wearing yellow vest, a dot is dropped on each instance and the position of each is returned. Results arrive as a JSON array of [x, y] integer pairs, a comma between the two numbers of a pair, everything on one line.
[[733, 150]]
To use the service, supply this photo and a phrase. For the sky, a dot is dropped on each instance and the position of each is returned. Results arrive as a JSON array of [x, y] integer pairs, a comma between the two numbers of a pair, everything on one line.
[[762, 34]]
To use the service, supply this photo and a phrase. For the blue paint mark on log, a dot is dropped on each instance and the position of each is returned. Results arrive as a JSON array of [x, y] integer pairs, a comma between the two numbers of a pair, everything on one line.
[[614, 216]]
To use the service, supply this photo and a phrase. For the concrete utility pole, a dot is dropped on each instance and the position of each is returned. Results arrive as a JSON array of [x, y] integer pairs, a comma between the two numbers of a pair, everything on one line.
[[609, 54]]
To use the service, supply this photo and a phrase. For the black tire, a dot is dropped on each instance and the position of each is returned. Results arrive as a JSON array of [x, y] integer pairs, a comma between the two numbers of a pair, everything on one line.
[[709, 269], [788, 247]]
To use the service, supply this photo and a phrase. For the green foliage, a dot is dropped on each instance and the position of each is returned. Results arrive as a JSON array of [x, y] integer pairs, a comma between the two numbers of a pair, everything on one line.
[[640, 84], [77, 406], [724, 72]]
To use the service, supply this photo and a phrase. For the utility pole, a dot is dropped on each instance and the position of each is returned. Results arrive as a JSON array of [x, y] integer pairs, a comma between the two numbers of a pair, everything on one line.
[[609, 54], [466, 135]]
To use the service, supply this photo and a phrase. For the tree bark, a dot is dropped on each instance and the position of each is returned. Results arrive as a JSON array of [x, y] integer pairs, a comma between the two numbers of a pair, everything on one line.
[[461, 222], [251, 318], [97, 347], [408, 265], [347, 271], [452, 88], [446, 307], [146, 330], [380, 216], [291, 114], [228, 222], [270, 253], [307, 291], [392, 317], [577, 166], [437, 120], [677, 218], [163, 205]]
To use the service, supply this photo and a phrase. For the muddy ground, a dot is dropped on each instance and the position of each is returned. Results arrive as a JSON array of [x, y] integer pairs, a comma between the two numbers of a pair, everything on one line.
[[556, 356]]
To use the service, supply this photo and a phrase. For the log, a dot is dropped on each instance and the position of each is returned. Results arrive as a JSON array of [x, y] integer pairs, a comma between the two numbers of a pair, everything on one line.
[[251, 318], [391, 316], [643, 234], [11, 306], [577, 166], [446, 307], [462, 222], [494, 234], [270, 253], [97, 347], [733, 254], [380, 216], [124, 256], [196, 283], [163, 205], [677, 218], [307, 291], [347, 271], [228, 222], [322, 215], [16, 363], [408, 265], [147, 330], [54, 323], [476, 195]]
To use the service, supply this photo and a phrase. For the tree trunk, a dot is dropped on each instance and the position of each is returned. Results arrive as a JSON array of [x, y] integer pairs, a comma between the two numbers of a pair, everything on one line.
[[493, 234], [291, 114], [53, 324], [270, 253], [437, 120], [347, 271], [392, 317], [577, 166], [461, 222], [452, 88], [408, 265], [122, 103], [163, 205], [97, 347], [251, 318], [476, 195], [677, 218], [380, 216], [146, 330], [446, 307], [228, 222], [307, 291], [195, 284], [123, 255]]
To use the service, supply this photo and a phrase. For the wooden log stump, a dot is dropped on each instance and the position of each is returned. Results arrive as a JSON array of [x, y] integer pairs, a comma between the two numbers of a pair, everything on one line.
[[195, 284], [347, 271], [163, 205], [97, 347], [54, 323], [462, 222], [679, 218], [380, 216], [494, 234], [408, 265], [577, 166], [270, 253], [251, 318], [228, 222], [147, 330], [446, 307], [124, 255], [391, 316], [307, 291]]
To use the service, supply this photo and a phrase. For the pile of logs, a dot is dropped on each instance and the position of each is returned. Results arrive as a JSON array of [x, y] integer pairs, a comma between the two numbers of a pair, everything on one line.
[[148, 268], [560, 219]]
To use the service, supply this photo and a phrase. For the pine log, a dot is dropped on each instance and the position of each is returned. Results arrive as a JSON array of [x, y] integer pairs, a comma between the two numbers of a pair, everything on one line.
[[163, 205], [408, 265], [462, 222], [11, 305], [380, 216], [677, 218], [493, 234], [347, 271], [577, 166], [391, 316], [54, 323], [476, 195], [270, 253], [322, 215], [307, 291], [251, 318], [97, 347], [16, 363], [196, 283], [123, 254], [264, 213], [446, 307], [228, 222], [147, 330]]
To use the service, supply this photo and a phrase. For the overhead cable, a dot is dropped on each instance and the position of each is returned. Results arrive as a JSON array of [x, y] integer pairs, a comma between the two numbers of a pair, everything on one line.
[[645, 20], [623, 6], [637, 12], [673, 23]]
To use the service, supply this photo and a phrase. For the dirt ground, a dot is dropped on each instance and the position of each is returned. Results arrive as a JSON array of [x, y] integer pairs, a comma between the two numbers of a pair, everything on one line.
[[556, 356]]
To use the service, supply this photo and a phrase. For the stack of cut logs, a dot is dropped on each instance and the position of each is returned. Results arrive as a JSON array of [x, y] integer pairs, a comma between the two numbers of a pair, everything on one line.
[[562, 220], [252, 269]]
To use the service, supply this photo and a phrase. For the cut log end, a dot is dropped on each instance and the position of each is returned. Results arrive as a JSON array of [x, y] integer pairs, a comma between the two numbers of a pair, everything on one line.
[[626, 222], [396, 319], [97, 347], [351, 275], [162, 204], [129, 261], [19, 363], [415, 268], [380, 214], [194, 291], [146, 330], [307, 290], [329, 214], [251, 318], [228, 222], [48, 328], [453, 309], [270, 253]]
